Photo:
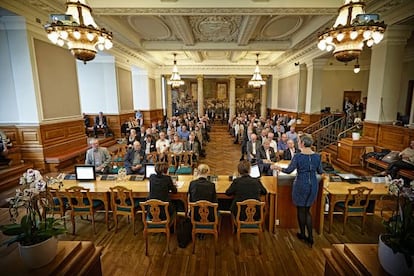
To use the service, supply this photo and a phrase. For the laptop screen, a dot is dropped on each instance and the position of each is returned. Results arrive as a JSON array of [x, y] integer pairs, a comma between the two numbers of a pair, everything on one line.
[[149, 169], [85, 173], [254, 171]]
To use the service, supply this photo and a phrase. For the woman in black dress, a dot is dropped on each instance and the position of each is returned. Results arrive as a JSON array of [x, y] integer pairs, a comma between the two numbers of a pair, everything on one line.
[[161, 185]]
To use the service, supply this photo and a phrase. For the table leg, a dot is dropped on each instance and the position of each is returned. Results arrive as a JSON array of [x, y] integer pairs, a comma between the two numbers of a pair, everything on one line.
[[331, 210], [272, 210]]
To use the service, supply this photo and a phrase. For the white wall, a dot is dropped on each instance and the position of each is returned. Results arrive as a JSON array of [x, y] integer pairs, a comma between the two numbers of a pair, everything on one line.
[[140, 89], [18, 98], [97, 79]]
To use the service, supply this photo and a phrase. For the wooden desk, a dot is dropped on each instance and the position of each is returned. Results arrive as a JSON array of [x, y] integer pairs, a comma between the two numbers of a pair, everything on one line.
[[352, 259], [337, 191], [73, 258], [140, 189]]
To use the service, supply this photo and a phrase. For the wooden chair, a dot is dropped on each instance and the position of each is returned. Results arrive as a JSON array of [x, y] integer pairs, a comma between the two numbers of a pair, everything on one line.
[[152, 157], [186, 166], [355, 205], [156, 219], [200, 211], [174, 161], [81, 203], [326, 157], [123, 204], [60, 203], [246, 220]]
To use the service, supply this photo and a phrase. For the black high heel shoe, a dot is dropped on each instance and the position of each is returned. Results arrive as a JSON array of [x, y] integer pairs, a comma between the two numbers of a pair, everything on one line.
[[309, 241]]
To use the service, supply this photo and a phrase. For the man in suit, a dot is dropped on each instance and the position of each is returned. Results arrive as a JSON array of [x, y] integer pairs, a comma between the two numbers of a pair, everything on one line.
[[134, 159], [253, 148], [193, 146], [290, 151], [266, 157], [99, 157], [100, 123], [148, 144]]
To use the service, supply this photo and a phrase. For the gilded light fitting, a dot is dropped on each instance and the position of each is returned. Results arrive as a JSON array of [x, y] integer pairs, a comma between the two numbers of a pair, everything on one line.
[[78, 30], [175, 80], [257, 80], [352, 30]]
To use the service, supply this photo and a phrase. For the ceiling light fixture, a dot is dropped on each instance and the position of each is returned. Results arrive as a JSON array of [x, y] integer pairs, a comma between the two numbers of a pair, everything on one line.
[[257, 81], [79, 31], [175, 80], [353, 29], [356, 67]]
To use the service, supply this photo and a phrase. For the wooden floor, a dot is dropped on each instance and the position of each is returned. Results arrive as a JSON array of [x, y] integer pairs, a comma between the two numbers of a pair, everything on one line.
[[283, 253]]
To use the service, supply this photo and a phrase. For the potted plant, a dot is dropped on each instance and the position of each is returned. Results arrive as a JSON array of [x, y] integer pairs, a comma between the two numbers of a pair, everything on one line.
[[36, 230], [357, 131], [396, 248]]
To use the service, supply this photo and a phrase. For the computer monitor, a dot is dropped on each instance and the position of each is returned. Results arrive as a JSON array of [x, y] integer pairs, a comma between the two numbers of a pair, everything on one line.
[[149, 169], [254, 171], [85, 173]]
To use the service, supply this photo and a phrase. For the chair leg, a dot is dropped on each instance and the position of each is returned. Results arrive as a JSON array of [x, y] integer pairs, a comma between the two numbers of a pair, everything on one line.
[[93, 223], [193, 236], [363, 223], [116, 221], [238, 242], [72, 218], [345, 220], [146, 243], [216, 243], [168, 241], [260, 242]]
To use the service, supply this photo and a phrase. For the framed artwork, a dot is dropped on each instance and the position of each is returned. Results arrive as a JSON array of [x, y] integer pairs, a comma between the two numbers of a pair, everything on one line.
[[221, 91]]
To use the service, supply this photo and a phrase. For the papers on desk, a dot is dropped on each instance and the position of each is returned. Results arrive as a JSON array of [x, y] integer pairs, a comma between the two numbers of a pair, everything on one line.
[[179, 184], [284, 165]]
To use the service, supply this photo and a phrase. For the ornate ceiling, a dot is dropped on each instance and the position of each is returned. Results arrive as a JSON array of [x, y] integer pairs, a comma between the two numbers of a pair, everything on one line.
[[212, 32]]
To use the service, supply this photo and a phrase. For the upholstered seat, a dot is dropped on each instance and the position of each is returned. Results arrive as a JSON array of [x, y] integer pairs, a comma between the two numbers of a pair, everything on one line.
[[123, 204]]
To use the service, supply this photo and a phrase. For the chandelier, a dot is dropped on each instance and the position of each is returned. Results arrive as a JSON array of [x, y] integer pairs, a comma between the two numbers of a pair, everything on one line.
[[256, 81], [78, 30], [352, 30], [175, 80]]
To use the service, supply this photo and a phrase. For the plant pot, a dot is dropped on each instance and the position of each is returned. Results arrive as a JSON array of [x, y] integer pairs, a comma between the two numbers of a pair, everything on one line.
[[40, 254], [393, 263], [356, 136]]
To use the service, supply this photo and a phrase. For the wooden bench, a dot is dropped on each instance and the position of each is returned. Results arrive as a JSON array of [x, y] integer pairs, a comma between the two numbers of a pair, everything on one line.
[[374, 164], [61, 160]]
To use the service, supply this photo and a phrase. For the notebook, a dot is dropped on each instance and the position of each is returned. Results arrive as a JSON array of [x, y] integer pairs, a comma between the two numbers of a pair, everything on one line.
[[109, 177]]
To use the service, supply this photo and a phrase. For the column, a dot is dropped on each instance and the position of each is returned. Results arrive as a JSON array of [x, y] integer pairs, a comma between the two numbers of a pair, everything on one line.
[[314, 85], [263, 99], [232, 96], [275, 92], [384, 86], [169, 98], [200, 95], [303, 75]]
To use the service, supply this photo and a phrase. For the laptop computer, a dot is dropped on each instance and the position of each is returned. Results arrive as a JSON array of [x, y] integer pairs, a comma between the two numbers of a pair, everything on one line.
[[254, 171], [350, 177], [85, 173], [136, 177]]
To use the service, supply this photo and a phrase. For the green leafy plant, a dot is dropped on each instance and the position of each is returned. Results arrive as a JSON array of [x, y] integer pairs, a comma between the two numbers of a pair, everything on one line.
[[38, 224], [400, 226]]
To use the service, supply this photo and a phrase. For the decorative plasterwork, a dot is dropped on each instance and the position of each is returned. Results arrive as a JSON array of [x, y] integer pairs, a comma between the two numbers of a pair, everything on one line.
[[221, 11], [150, 27], [247, 28], [215, 27], [281, 26], [182, 28]]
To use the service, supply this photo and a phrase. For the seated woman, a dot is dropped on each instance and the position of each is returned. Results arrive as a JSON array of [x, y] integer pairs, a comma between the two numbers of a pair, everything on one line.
[[176, 147], [244, 187], [161, 185], [202, 189]]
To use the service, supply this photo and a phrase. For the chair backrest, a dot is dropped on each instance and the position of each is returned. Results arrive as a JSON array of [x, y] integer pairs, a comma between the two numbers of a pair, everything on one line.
[[326, 157], [152, 157], [357, 199], [250, 213], [121, 198], [153, 211], [79, 198], [204, 212], [187, 159]]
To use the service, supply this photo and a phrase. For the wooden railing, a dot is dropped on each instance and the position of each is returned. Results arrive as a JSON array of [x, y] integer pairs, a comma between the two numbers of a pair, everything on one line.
[[319, 124]]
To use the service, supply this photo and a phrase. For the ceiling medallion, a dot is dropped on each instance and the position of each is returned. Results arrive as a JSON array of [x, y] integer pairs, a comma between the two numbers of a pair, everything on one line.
[[215, 27]]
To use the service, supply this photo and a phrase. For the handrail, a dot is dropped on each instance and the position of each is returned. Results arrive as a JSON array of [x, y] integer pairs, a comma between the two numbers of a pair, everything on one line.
[[359, 127], [319, 124], [327, 135]]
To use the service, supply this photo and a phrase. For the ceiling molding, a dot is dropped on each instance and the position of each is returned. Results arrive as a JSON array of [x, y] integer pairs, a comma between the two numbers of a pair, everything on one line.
[[195, 56], [183, 29], [247, 28], [216, 11]]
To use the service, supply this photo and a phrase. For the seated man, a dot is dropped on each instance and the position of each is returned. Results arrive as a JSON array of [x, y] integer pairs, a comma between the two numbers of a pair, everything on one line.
[[266, 157], [4, 143], [183, 133], [406, 161], [292, 134], [100, 123], [139, 117], [134, 159], [290, 151], [193, 146], [162, 145], [253, 148], [98, 156], [282, 144]]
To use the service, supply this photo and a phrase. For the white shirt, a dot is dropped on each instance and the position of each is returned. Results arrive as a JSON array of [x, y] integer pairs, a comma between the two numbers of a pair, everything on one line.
[[162, 146]]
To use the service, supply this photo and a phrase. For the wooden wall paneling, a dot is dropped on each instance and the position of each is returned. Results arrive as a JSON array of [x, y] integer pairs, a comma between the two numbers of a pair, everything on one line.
[[152, 116], [114, 124], [31, 146], [370, 131], [349, 151], [394, 137], [12, 134]]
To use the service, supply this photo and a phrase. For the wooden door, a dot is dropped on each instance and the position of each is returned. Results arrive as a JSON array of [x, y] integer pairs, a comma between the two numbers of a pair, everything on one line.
[[353, 96]]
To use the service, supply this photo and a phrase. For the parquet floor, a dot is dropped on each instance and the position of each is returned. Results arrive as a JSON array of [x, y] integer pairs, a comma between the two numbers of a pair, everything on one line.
[[283, 253]]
